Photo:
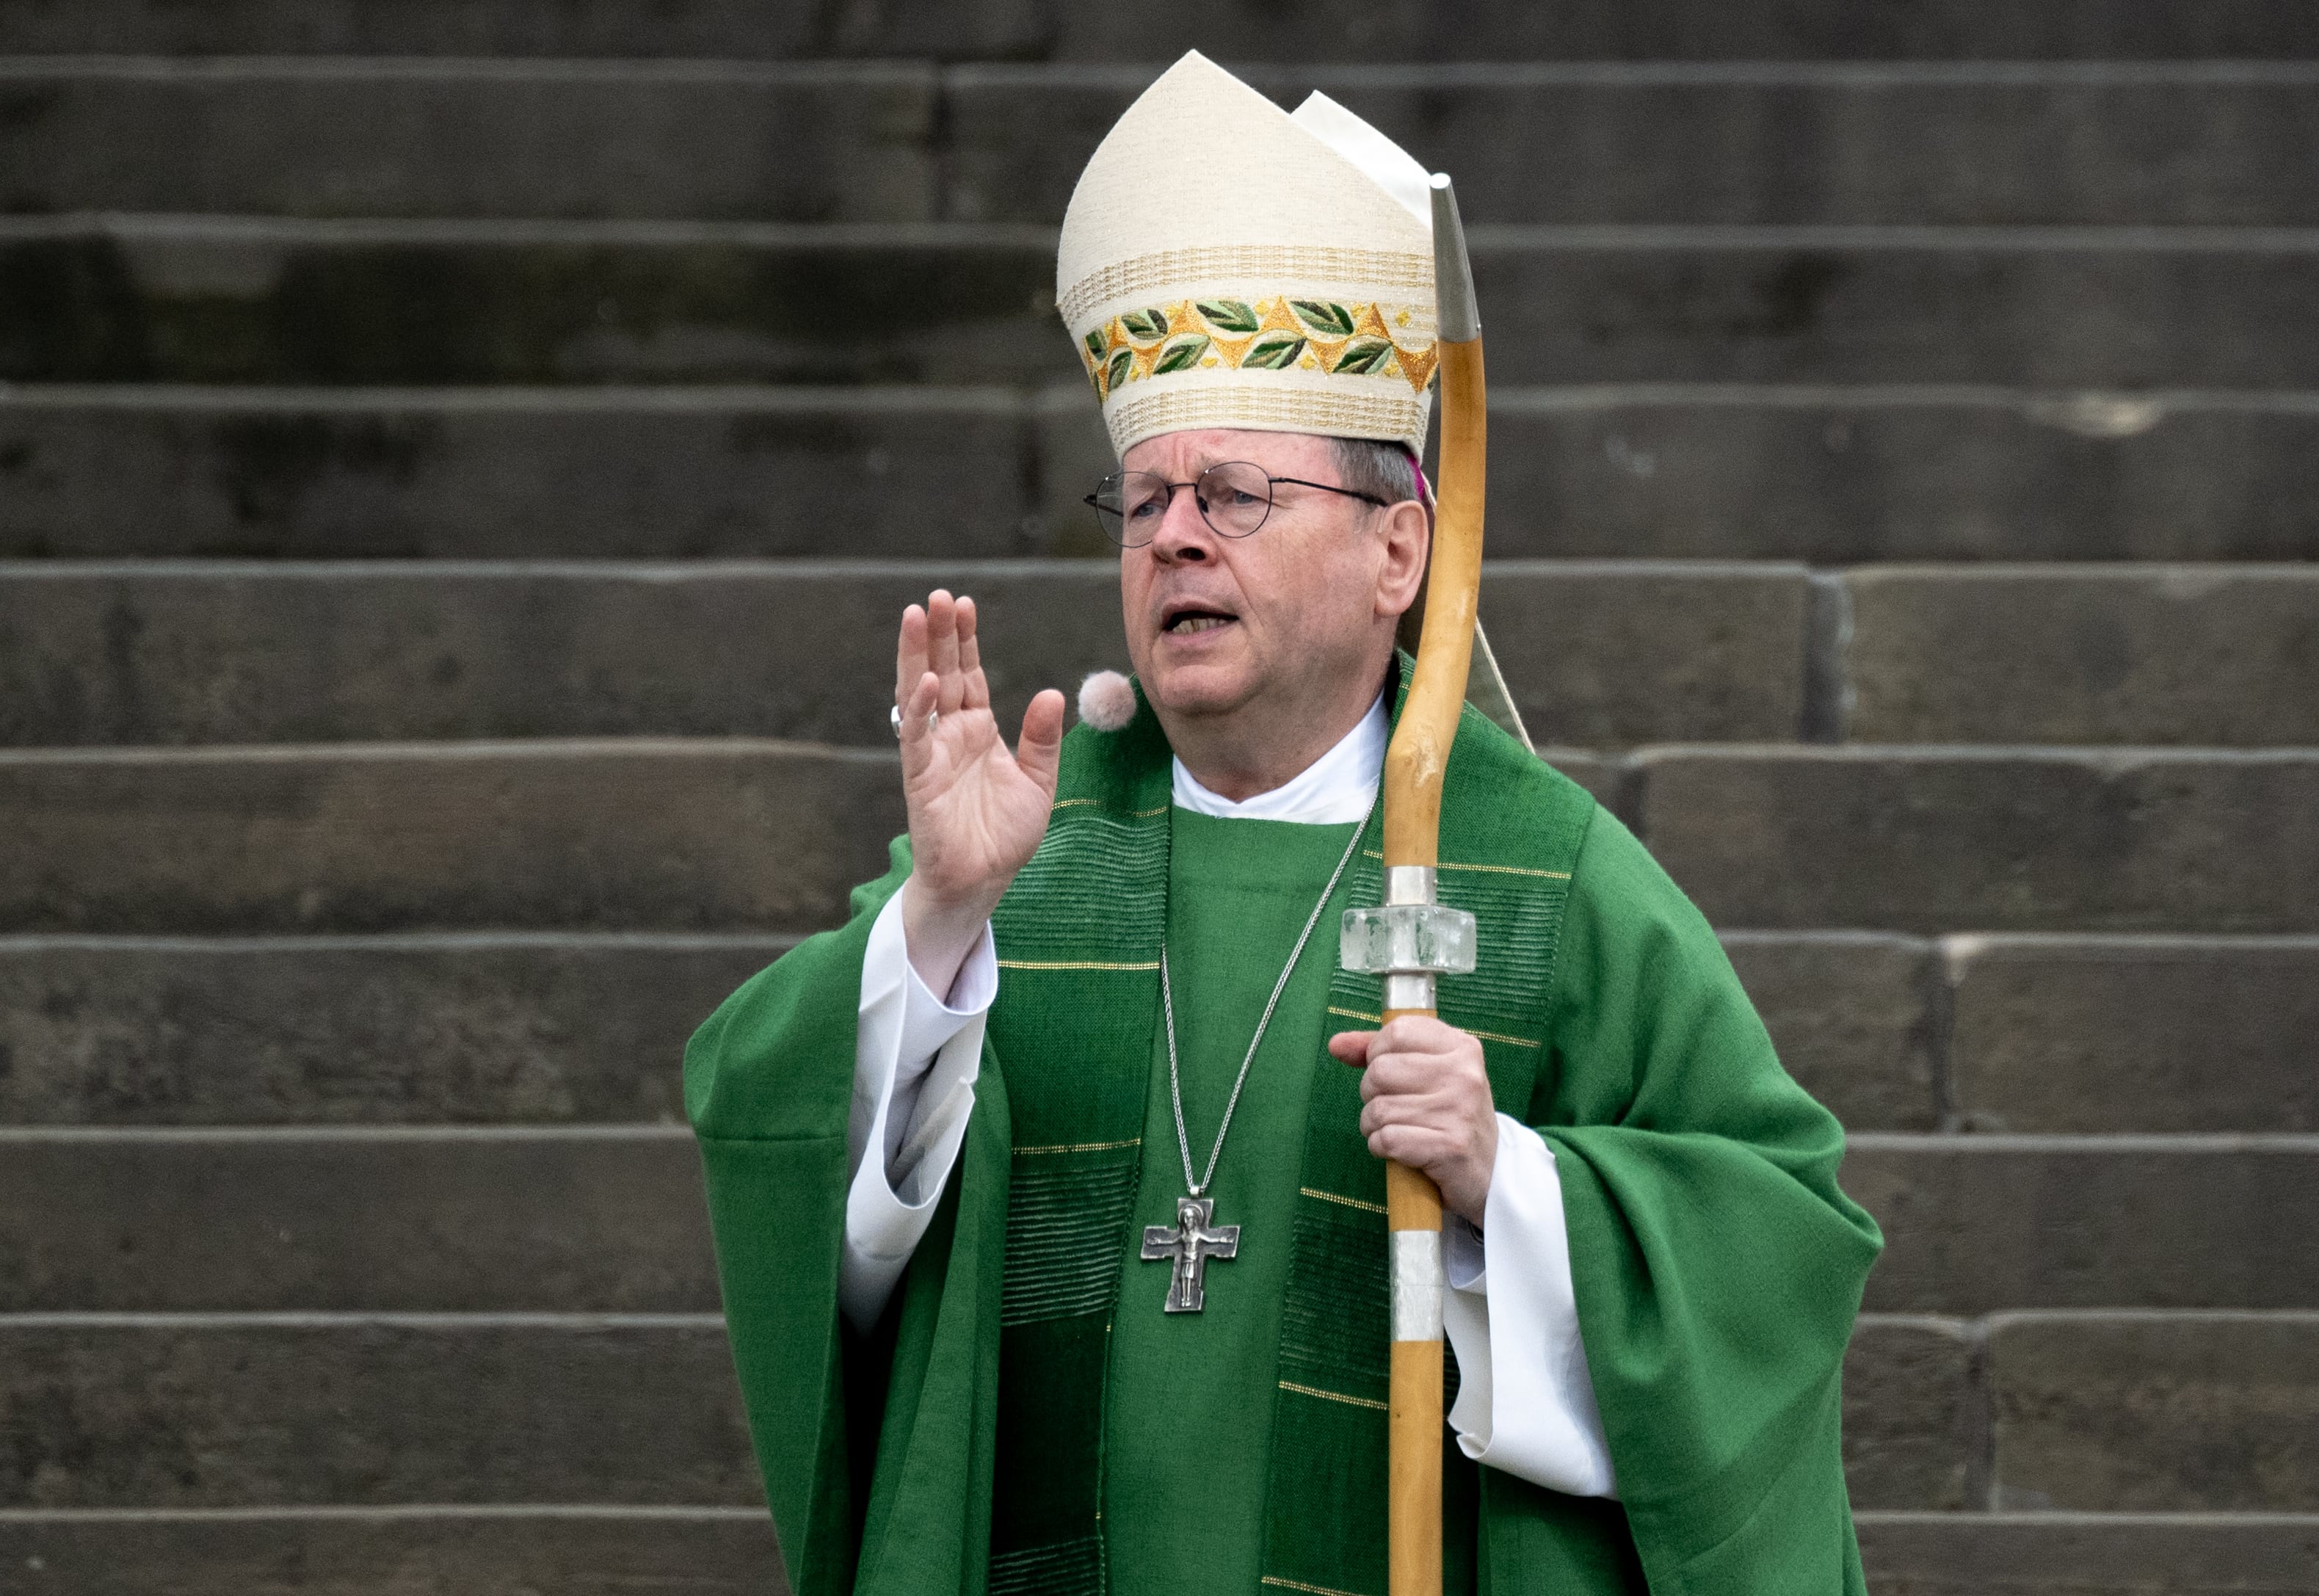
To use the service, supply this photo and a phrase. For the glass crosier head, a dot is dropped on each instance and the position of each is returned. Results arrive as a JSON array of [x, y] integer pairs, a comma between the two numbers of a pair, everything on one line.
[[1224, 264]]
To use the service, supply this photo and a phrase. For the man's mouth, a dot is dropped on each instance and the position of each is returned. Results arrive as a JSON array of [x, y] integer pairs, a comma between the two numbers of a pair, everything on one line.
[[1186, 621]]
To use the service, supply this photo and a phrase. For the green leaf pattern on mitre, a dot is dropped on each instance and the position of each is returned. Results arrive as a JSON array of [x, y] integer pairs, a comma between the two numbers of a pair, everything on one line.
[[1181, 353], [1329, 320], [1272, 334], [1228, 315], [1273, 353]]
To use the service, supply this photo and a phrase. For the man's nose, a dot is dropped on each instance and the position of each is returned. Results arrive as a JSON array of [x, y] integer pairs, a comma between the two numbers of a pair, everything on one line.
[[1184, 533]]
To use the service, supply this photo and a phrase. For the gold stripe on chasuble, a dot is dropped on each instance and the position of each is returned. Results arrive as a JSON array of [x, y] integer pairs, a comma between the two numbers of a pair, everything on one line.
[[1335, 1396], [1097, 803], [1306, 1191], [1274, 1579], [1074, 964], [1495, 870], [1511, 1041]]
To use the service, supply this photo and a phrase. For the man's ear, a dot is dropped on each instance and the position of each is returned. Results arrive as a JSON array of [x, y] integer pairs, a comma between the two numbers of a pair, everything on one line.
[[1406, 533]]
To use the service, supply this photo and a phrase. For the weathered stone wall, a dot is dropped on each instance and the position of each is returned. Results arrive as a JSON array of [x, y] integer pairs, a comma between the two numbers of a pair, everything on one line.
[[459, 464]]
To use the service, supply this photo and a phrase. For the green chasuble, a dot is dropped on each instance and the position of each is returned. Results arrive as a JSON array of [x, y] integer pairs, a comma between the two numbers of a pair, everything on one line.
[[1025, 1418], [1184, 1483]]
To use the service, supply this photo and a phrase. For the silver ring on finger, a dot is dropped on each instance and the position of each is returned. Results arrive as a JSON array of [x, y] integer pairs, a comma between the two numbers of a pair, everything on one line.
[[894, 719]]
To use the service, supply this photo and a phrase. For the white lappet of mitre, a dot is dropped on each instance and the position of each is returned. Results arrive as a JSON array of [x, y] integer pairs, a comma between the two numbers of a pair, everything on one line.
[[1225, 262]]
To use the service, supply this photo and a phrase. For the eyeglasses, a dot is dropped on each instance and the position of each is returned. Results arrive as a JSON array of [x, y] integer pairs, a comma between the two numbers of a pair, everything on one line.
[[1234, 498]]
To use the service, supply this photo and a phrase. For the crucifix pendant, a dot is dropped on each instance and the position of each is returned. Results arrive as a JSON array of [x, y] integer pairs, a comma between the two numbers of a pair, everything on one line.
[[1189, 1243]]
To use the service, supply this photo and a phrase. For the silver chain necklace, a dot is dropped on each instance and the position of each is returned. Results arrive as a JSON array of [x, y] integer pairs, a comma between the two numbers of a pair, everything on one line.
[[1191, 1241]]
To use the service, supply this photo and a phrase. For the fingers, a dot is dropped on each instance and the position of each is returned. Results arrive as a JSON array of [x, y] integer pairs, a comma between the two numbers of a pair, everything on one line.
[[1436, 1109], [1421, 1146], [1040, 750], [1453, 1072], [942, 649], [1421, 1033], [1426, 1102], [1460, 1152], [1444, 1130], [910, 653], [917, 735], [975, 688], [1351, 1047], [940, 637]]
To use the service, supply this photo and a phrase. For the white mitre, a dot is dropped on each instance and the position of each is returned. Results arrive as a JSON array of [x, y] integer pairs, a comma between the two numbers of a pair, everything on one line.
[[1225, 264]]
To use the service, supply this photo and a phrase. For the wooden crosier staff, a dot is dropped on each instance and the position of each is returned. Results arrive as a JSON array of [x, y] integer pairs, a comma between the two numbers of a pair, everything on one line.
[[1413, 938]]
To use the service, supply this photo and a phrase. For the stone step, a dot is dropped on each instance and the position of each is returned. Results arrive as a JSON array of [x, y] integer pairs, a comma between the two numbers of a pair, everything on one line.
[[2193, 142], [2025, 1034], [2090, 1554], [1976, 1224], [238, 299], [2027, 655], [1852, 1012], [609, 1219], [2036, 1035], [583, 472], [667, 835], [479, 1028], [1840, 474], [231, 299], [182, 1411], [1144, 30], [2178, 143], [574, 1219], [1598, 656], [572, 1551], [832, 142], [730, 1551], [1949, 839], [691, 834], [549, 1028], [200, 1410], [2134, 1034], [1833, 475], [2134, 1412]]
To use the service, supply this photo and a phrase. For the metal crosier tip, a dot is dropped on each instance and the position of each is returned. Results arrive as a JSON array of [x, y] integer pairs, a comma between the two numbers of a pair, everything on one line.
[[1459, 316]]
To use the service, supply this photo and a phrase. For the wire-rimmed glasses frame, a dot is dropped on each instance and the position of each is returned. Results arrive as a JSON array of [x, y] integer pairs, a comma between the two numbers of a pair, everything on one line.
[[1127, 503]]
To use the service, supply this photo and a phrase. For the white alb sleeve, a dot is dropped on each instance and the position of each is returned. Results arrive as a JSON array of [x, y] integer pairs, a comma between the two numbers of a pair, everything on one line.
[[916, 1058], [1525, 1401]]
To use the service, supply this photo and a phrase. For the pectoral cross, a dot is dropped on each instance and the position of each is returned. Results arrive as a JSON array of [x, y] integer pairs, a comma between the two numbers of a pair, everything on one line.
[[1191, 1243]]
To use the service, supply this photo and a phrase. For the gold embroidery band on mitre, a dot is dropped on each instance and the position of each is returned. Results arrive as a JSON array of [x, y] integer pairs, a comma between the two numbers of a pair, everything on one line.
[[1329, 412], [1278, 332], [1177, 269]]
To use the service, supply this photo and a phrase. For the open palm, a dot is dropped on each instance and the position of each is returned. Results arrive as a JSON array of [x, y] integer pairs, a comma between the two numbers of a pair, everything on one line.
[[977, 811]]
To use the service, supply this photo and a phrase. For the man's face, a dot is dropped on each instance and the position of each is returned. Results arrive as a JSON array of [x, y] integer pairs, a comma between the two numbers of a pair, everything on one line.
[[1288, 613]]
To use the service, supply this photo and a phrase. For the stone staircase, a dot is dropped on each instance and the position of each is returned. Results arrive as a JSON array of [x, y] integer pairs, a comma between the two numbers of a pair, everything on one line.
[[458, 467]]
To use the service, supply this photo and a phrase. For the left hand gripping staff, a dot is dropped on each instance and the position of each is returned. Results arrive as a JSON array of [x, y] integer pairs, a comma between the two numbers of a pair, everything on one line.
[[1413, 939]]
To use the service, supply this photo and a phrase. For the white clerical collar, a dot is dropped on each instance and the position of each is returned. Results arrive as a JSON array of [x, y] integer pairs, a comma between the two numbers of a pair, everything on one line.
[[1334, 789]]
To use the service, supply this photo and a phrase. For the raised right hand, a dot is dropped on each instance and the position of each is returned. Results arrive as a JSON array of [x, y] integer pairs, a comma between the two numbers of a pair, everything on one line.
[[977, 812]]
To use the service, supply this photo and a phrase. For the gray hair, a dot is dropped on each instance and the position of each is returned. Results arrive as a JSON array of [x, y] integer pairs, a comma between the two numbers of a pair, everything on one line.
[[1370, 465]]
